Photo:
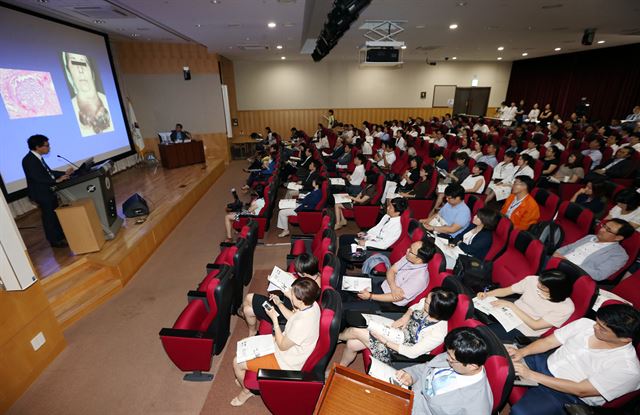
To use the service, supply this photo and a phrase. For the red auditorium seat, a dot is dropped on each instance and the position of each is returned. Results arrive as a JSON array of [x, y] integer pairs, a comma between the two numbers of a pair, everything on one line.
[[500, 238], [236, 257], [366, 216], [629, 289], [548, 203], [307, 243], [202, 329], [311, 221], [522, 257], [474, 202], [575, 221]]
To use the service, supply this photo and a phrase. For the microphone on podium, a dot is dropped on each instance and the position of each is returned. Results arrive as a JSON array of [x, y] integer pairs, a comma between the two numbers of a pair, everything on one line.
[[68, 161]]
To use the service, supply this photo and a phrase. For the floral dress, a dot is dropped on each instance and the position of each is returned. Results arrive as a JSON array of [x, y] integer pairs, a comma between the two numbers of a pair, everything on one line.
[[411, 331]]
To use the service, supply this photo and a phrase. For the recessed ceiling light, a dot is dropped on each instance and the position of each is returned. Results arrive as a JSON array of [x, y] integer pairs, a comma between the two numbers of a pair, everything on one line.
[[420, 26], [230, 47], [557, 49], [278, 46], [283, 57], [198, 25], [247, 38], [499, 58], [454, 58], [43, 1], [403, 47], [215, 2], [461, 3], [99, 21], [453, 26], [600, 42], [271, 25], [525, 54], [135, 34], [500, 47]]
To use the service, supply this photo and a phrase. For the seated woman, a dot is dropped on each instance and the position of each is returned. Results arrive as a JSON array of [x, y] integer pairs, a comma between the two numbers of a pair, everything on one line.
[[309, 203], [544, 303], [476, 153], [570, 172], [305, 265], [626, 207], [363, 198], [591, 196], [532, 150], [477, 238], [502, 189], [424, 326], [268, 166], [421, 187], [474, 183], [356, 179], [411, 176], [551, 161], [464, 146], [295, 344], [254, 208]]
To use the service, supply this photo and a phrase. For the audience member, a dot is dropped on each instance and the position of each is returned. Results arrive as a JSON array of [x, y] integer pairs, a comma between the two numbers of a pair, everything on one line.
[[520, 206], [490, 157], [477, 238], [363, 198], [620, 167], [356, 178], [595, 144], [254, 209], [307, 204], [570, 172], [385, 233], [454, 216], [626, 208], [591, 196]]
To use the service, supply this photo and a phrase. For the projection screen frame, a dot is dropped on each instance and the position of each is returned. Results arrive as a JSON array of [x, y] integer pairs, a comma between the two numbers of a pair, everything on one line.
[[19, 194]]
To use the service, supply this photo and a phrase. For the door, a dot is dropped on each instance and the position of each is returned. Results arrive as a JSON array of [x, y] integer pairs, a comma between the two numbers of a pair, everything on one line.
[[471, 100], [461, 100]]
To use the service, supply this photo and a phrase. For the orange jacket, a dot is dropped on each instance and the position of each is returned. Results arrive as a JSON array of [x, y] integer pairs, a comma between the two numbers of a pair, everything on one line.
[[525, 215]]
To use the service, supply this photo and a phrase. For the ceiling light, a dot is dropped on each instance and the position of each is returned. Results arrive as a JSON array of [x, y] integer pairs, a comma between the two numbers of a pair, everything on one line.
[[271, 25], [43, 1], [99, 21], [215, 2], [278, 46], [500, 47], [198, 25], [499, 58], [403, 47], [453, 26], [283, 57], [461, 3], [525, 54], [557, 49], [600, 42], [135, 34], [454, 58]]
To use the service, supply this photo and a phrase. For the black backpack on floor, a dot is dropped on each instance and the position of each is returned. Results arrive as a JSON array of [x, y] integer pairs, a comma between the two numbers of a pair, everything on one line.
[[549, 233]]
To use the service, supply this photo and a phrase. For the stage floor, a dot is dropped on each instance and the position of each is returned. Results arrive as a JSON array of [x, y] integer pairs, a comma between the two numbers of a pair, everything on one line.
[[165, 191]]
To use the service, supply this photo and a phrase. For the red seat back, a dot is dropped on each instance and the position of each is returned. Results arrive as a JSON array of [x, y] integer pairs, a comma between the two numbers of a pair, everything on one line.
[[629, 289], [575, 221], [500, 238], [548, 203], [436, 268], [522, 257]]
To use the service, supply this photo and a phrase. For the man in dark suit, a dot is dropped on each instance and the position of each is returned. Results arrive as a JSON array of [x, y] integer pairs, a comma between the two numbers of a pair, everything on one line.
[[619, 167], [179, 134], [40, 179]]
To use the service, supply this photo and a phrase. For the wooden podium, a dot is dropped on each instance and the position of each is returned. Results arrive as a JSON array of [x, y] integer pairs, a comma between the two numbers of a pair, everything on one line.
[[350, 392], [181, 154], [81, 226]]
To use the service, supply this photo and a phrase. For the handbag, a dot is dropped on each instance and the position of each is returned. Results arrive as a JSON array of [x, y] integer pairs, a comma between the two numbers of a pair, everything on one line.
[[474, 273]]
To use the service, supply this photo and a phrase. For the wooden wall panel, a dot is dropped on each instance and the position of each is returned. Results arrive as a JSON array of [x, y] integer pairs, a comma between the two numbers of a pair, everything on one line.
[[216, 145], [281, 121], [161, 58]]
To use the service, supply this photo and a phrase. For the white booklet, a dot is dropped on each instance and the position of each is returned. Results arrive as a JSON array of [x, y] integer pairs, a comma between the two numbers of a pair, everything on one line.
[[442, 188], [337, 181], [604, 295], [437, 221], [256, 346], [342, 198], [288, 203], [392, 334], [356, 284], [452, 252], [294, 186], [384, 372], [380, 319], [505, 316], [280, 280], [294, 158]]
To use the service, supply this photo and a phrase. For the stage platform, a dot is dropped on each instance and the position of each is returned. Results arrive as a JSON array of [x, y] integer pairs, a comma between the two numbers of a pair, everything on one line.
[[76, 284]]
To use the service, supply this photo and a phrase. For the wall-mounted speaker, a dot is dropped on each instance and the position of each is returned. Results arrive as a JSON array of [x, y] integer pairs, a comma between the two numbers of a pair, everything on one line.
[[588, 36]]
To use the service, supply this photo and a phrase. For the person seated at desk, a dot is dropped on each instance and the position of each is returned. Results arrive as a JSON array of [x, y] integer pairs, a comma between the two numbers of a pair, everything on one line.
[[599, 255], [256, 205], [520, 207], [385, 233], [293, 345], [454, 216], [305, 265], [369, 190], [594, 362], [424, 326], [179, 135], [307, 204], [405, 280], [544, 302], [455, 381]]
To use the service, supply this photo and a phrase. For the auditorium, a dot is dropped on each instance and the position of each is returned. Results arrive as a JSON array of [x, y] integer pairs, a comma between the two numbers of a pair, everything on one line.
[[318, 207]]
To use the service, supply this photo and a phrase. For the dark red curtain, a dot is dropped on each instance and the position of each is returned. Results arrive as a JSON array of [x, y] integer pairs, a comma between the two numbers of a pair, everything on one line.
[[609, 78]]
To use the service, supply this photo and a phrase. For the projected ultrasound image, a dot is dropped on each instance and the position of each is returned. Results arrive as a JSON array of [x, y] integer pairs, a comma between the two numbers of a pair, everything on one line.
[[28, 94], [88, 98]]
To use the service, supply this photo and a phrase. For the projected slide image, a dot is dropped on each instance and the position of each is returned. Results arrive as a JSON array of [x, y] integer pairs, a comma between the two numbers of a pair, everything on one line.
[[28, 94], [88, 98]]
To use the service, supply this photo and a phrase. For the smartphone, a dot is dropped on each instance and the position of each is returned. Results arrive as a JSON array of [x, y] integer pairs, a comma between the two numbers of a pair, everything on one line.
[[267, 306]]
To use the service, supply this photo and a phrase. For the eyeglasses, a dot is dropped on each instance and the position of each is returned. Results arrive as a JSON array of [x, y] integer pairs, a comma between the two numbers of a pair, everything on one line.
[[608, 229]]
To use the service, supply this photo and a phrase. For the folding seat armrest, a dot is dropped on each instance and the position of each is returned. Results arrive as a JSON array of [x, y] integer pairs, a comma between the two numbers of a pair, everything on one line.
[[525, 340], [305, 237], [385, 252], [397, 357], [224, 245], [290, 375], [194, 334], [584, 409], [390, 314], [198, 296], [211, 267]]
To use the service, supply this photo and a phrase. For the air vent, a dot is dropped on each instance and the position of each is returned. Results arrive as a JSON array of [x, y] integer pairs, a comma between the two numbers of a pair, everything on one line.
[[101, 12], [253, 47]]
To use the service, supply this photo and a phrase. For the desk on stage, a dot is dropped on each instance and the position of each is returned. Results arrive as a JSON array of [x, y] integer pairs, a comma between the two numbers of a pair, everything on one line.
[[181, 154], [243, 147]]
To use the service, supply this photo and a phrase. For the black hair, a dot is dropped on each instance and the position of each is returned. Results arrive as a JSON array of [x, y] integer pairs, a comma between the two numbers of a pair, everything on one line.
[[630, 149], [528, 181], [468, 345], [418, 160], [578, 161], [400, 204], [317, 164], [179, 125], [600, 144], [626, 230], [482, 166], [463, 156], [629, 197], [622, 319], [427, 249], [489, 218], [259, 190], [36, 141], [266, 128], [362, 158], [559, 284], [530, 161], [598, 188], [511, 154], [371, 176], [319, 180], [306, 290], [555, 149], [306, 263], [443, 303], [454, 190], [436, 151]]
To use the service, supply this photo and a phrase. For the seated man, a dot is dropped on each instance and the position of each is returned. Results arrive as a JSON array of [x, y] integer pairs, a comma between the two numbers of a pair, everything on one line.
[[600, 255], [179, 134], [619, 167], [595, 362], [520, 206], [385, 233], [454, 216], [490, 157], [405, 280], [455, 381]]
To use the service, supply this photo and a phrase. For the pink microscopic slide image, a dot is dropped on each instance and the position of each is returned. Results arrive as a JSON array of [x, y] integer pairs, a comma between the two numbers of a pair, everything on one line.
[[28, 94]]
